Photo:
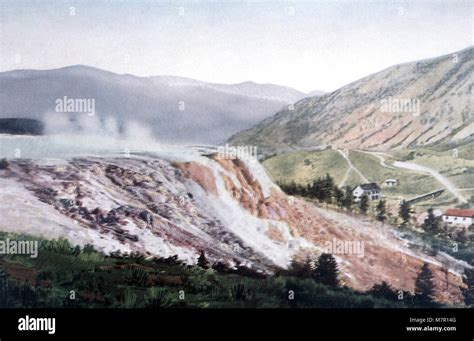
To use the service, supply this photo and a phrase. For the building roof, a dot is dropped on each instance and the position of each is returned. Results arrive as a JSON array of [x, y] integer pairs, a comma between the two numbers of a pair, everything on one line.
[[458, 212], [369, 187], [391, 180]]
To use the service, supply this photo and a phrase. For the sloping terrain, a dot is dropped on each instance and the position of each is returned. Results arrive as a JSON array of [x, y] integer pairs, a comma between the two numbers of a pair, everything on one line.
[[181, 204], [407, 105]]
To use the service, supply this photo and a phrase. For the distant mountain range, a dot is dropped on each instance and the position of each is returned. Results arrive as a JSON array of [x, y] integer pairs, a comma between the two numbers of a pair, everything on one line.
[[174, 109], [408, 105]]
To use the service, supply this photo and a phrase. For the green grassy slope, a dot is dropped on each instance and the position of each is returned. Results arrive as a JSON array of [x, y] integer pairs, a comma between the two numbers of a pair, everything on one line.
[[305, 166], [458, 167]]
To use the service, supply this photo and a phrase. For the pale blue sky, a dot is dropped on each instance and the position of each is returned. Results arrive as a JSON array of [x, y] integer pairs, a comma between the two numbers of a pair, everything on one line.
[[306, 45]]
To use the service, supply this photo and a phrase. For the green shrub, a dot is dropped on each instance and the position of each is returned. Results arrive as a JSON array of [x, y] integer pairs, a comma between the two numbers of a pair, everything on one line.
[[136, 276]]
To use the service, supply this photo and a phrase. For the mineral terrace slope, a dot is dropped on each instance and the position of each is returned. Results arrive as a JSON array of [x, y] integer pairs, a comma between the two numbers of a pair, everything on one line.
[[163, 208]]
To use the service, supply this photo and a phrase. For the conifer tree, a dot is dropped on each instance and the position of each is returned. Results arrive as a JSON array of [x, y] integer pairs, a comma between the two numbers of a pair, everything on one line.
[[405, 212], [381, 211], [424, 285], [364, 204], [326, 271], [468, 292], [202, 261], [383, 290], [327, 188], [432, 223], [338, 196], [348, 198]]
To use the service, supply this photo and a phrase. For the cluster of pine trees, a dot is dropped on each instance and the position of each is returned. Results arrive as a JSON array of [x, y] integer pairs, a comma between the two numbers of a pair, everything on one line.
[[324, 270], [424, 290], [326, 191], [322, 189]]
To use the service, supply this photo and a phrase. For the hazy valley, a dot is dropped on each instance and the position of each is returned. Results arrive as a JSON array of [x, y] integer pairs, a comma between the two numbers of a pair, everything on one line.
[[169, 109]]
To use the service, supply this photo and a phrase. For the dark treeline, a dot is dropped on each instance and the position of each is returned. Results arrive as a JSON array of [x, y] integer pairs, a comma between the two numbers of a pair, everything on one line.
[[322, 189]]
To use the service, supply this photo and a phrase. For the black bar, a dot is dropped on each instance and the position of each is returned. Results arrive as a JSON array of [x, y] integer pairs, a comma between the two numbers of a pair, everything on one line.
[[223, 324]]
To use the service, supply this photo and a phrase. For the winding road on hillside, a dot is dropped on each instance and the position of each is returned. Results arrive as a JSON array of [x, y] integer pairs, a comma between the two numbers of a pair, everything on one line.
[[381, 158], [421, 169]]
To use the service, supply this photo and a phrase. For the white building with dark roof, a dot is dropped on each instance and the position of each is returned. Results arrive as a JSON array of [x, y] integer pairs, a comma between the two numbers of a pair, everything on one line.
[[372, 190]]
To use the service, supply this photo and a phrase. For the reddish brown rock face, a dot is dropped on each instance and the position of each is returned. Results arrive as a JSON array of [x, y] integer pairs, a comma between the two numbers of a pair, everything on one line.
[[384, 259], [248, 191], [274, 233], [199, 174]]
